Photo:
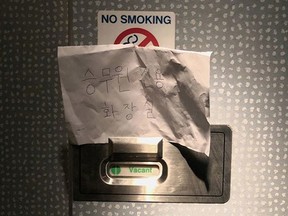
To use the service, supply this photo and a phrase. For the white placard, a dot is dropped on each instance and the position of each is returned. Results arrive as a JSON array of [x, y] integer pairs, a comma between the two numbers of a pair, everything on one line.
[[142, 28]]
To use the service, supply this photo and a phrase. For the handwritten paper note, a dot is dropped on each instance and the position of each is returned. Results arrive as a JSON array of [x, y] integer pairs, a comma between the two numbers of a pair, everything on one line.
[[125, 90]]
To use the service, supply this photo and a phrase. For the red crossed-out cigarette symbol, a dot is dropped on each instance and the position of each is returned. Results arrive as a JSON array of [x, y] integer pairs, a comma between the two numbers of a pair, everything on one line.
[[149, 37]]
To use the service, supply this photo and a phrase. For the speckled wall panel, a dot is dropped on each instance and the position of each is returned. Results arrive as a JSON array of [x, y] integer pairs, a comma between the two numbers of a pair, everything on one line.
[[248, 92], [32, 135]]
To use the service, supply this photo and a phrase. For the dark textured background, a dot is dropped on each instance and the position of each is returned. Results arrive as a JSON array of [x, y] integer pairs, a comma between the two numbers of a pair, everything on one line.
[[32, 123], [248, 92]]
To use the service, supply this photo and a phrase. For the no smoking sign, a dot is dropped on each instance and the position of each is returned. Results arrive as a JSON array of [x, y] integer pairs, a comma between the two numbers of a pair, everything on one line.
[[141, 28]]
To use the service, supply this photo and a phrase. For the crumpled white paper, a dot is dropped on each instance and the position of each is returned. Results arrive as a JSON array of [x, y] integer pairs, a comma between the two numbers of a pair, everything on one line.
[[130, 91]]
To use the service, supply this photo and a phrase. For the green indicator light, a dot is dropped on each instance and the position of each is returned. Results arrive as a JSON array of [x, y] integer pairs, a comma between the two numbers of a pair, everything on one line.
[[115, 170]]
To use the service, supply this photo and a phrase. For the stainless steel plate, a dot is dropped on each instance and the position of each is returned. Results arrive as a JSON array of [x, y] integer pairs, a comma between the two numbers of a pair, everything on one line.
[[173, 174]]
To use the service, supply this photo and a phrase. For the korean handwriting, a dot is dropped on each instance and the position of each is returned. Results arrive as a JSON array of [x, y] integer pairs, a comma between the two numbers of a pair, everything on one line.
[[154, 74], [118, 79], [90, 77], [149, 109], [107, 75], [158, 78], [129, 108], [126, 110], [109, 111]]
